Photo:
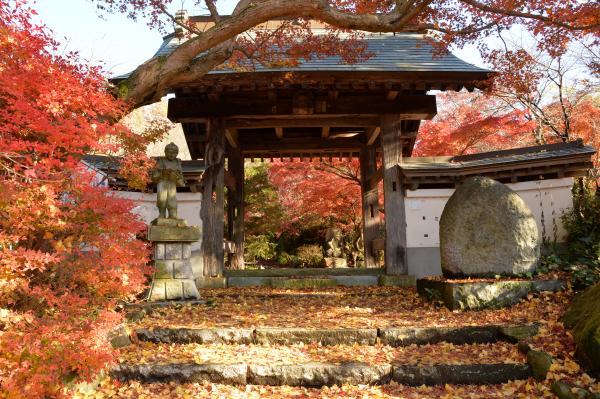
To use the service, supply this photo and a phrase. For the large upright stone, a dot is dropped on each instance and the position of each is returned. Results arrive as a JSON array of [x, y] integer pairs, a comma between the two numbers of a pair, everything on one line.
[[487, 229]]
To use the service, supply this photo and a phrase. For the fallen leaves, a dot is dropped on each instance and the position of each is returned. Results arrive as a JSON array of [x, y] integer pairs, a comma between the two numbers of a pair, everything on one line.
[[344, 307], [442, 353]]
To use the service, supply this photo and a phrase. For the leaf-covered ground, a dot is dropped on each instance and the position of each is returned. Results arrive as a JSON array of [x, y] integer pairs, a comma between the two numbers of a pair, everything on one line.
[[445, 353], [350, 307]]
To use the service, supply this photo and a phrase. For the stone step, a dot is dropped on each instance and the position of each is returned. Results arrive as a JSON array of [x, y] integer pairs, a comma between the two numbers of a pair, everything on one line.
[[296, 272], [398, 336], [318, 374]]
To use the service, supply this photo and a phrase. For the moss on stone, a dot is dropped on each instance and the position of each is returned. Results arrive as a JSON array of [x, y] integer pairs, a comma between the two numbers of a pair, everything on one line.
[[583, 316], [301, 283]]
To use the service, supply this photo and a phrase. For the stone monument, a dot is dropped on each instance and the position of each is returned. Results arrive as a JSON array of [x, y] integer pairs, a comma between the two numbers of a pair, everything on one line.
[[171, 237], [486, 229]]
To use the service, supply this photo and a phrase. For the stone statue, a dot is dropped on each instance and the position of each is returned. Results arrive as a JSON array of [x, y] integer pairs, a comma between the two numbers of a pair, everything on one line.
[[167, 176], [333, 239], [333, 251]]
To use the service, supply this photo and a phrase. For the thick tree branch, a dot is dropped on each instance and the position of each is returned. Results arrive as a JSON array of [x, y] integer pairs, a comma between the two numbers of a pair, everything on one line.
[[528, 15]]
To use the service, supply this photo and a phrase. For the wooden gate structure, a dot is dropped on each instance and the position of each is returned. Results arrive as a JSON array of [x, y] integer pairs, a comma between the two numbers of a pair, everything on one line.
[[320, 109]]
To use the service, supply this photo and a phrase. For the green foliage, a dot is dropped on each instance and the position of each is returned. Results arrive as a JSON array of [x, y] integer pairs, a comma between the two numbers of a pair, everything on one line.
[[310, 255], [264, 213], [260, 247], [286, 259], [582, 223]]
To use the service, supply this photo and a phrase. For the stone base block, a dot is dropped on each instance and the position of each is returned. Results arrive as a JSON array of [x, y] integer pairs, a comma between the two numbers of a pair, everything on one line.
[[170, 289], [174, 233], [211, 282], [467, 295], [397, 281], [336, 263]]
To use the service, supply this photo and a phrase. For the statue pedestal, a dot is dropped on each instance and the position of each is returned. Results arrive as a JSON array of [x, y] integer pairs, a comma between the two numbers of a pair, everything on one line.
[[335, 263], [172, 249]]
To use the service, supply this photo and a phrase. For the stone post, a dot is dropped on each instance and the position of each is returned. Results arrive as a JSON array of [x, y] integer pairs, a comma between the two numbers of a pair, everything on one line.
[[172, 250]]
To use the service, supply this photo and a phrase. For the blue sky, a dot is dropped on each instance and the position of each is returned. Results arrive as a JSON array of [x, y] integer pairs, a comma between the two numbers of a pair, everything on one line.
[[119, 43]]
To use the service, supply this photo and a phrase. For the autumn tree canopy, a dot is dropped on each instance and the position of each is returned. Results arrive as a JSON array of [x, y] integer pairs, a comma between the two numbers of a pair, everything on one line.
[[68, 247], [555, 22]]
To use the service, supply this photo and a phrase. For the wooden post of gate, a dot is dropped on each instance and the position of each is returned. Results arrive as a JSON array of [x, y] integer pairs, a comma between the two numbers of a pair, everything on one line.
[[395, 214], [370, 203], [212, 211], [236, 205]]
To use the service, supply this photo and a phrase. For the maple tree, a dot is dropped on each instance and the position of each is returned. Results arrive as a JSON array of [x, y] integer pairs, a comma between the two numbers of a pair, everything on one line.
[[68, 247], [555, 22], [468, 123], [328, 191]]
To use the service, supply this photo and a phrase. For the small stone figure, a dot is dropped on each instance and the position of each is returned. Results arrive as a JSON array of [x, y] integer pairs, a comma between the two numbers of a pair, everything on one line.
[[168, 175]]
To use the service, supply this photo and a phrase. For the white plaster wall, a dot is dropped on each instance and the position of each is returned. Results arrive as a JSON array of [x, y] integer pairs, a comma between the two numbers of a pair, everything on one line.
[[550, 197]]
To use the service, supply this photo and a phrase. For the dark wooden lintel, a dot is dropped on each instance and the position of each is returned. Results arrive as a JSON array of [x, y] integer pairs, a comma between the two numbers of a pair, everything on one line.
[[348, 120], [190, 109]]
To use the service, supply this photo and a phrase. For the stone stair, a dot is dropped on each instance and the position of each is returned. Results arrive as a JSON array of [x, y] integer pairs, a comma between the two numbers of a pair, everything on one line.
[[310, 278], [324, 357]]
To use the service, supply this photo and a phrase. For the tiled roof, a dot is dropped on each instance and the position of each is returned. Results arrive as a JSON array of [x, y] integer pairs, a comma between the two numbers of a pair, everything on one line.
[[401, 52], [548, 153]]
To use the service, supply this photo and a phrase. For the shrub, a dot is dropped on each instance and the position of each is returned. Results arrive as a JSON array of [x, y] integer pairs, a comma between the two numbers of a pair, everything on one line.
[[259, 247], [582, 223], [286, 259], [310, 255]]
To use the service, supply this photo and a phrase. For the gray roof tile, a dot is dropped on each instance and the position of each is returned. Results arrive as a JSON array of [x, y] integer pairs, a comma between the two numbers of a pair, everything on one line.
[[402, 52]]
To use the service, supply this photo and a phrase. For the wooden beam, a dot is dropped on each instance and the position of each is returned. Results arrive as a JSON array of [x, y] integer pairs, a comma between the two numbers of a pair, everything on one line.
[[260, 143], [351, 120], [325, 132], [372, 134], [391, 95], [229, 180], [279, 132], [376, 177], [395, 215], [232, 137], [370, 204], [186, 109]]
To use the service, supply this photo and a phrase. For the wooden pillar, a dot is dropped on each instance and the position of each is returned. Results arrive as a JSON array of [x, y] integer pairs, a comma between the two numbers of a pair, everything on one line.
[[211, 212], [370, 203], [393, 189], [235, 209]]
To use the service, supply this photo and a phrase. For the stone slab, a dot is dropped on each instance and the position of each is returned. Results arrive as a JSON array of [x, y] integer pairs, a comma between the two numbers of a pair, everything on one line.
[[472, 374], [404, 336], [211, 282], [248, 281], [302, 283], [356, 281], [294, 272], [318, 374], [289, 336], [231, 374], [173, 233], [480, 295], [397, 281], [173, 250], [200, 336]]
